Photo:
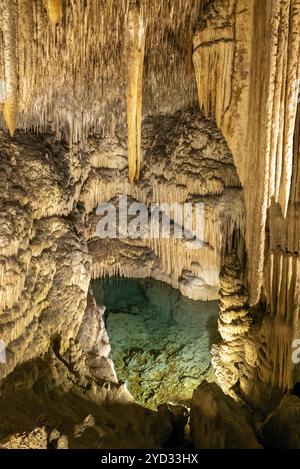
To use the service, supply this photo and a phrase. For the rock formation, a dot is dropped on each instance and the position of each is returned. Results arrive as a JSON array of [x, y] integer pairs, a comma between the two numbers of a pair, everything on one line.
[[186, 160], [68, 61], [234, 324], [50, 247], [253, 50], [134, 57], [218, 422], [40, 249], [262, 147], [60, 411], [194, 104], [281, 429]]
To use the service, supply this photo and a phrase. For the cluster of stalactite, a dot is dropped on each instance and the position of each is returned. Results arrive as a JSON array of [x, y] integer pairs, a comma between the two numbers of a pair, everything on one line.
[[196, 167], [240, 74], [75, 66], [45, 268]]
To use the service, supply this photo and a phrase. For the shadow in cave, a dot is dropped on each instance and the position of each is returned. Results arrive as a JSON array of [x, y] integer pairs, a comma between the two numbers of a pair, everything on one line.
[[214, 335], [50, 404]]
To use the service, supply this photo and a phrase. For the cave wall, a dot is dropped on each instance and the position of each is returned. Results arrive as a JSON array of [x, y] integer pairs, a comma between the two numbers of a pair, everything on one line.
[[246, 61], [246, 58], [50, 249], [44, 261], [45, 264]]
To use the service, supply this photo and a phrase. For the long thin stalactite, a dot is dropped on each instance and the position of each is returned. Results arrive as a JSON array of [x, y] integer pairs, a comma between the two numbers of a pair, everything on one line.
[[54, 10], [134, 58], [9, 31]]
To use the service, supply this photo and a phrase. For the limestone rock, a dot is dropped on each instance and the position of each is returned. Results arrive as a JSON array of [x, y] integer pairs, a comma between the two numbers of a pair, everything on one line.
[[54, 435], [185, 160], [234, 323], [69, 153], [160, 339], [88, 422], [218, 422], [238, 47], [94, 342], [62, 442], [46, 82], [36, 439], [47, 389], [45, 265], [282, 430]]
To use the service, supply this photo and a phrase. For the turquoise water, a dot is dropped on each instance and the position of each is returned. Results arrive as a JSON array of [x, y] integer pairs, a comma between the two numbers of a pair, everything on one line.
[[160, 339]]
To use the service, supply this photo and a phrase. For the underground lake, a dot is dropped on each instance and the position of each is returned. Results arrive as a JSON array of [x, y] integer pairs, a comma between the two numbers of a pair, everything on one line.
[[160, 340]]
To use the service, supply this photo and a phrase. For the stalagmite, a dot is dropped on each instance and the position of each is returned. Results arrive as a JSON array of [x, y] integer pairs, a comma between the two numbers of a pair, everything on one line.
[[54, 10], [134, 57], [234, 324]]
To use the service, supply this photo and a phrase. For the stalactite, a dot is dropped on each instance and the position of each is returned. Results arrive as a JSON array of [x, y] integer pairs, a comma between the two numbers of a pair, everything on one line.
[[229, 56], [173, 179], [25, 51], [134, 57], [9, 29], [214, 50], [291, 78], [54, 10], [52, 68]]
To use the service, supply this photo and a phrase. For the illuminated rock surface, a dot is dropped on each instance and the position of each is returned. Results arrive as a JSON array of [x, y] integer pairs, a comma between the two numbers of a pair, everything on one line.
[[46, 392], [186, 160], [49, 244], [210, 89], [37, 439], [218, 422]]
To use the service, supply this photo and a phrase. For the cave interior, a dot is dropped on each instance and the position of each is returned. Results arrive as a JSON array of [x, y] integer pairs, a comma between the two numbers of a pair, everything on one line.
[[149, 224]]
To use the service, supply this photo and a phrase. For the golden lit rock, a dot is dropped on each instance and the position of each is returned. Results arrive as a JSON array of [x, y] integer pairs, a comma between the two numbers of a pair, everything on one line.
[[134, 60], [189, 103], [54, 10], [10, 114]]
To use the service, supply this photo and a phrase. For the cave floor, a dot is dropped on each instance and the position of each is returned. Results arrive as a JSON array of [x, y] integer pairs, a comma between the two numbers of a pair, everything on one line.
[[160, 339], [43, 395], [160, 342]]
